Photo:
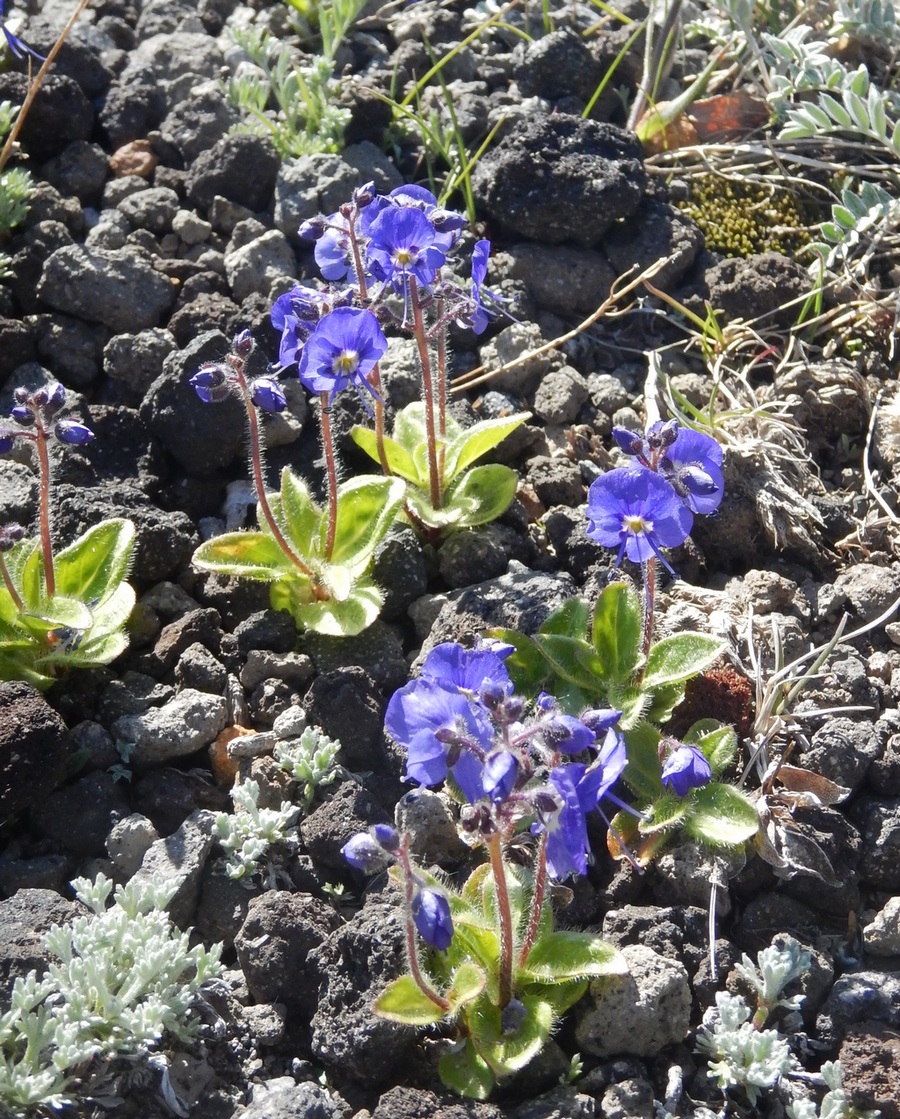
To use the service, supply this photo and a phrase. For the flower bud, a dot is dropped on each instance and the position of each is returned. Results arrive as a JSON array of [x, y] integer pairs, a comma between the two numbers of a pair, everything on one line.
[[7, 439], [364, 852], [10, 535], [21, 395], [23, 415], [56, 399], [431, 913], [313, 228], [73, 433], [685, 768], [267, 394], [242, 344], [630, 442], [363, 195], [211, 383]]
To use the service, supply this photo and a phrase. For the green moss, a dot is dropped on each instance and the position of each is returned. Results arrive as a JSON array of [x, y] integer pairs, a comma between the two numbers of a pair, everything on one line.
[[742, 218]]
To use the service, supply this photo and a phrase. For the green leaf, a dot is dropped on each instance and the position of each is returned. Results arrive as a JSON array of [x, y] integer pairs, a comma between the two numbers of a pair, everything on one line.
[[366, 508], [569, 620], [411, 430], [112, 613], [97, 562], [334, 618], [721, 816], [481, 494], [566, 656], [666, 813], [571, 955], [58, 612], [616, 631], [718, 743], [680, 657], [399, 459], [31, 581], [559, 996], [473, 442], [464, 1072], [298, 515], [528, 668], [507, 1053], [404, 1001], [663, 700], [643, 771], [467, 984], [254, 555]]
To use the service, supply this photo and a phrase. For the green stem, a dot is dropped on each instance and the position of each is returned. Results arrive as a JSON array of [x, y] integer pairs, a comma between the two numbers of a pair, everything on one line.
[[331, 469], [537, 901], [44, 514], [504, 914], [428, 392]]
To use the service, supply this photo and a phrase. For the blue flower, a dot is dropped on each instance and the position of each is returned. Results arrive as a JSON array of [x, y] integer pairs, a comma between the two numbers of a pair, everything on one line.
[[343, 349], [431, 913], [685, 768], [433, 724], [18, 48], [404, 244], [73, 433], [295, 314], [371, 851], [266, 393], [693, 466], [499, 775], [638, 513], [212, 382], [467, 670]]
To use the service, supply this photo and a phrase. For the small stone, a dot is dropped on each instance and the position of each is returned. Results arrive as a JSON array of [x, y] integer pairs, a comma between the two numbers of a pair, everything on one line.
[[184, 725], [191, 228], [882, 934], [560, 395], [135, 158], [129, 841]]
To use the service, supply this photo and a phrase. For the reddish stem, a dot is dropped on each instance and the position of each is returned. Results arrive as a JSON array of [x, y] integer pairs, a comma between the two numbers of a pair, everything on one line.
[[376, 371], [504, 914], [44, 514], [537, 901], [331, 469]]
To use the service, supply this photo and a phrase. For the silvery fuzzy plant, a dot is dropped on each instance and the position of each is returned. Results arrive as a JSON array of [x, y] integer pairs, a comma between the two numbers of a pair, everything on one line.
[[123, 977], [386, 258], [58, 609]]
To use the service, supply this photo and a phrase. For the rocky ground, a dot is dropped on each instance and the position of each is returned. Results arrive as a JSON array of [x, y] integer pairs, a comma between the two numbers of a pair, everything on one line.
[[154, 234]]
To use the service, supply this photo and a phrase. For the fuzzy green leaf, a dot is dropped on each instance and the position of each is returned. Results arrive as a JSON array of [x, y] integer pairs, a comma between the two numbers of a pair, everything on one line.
[[663, 700], [666, 813], [527, 666], [58, 612], [642, 774], [560, 956], [680, 657], [410, 428], [468, 983], [97, 562], [464, 1072], [298, 515], [482, 494], [718, 743], [344, 618], [566, 655], [399, 459], [254, 555], [569, 620], [616, 631], [473, 442], [366, 507], [403, 1001], [721, 816], [507, 1053]]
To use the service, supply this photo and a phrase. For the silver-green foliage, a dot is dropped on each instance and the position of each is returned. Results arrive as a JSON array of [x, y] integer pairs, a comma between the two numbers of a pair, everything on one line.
[[294, 105], [124, 977], [247, 834], [834, 1105], [309, 759], [742, 1054]]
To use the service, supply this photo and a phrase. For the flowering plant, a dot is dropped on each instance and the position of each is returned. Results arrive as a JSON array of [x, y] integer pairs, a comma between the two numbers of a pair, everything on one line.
[[608, 655], [392, 254], [496, 972], [61, 609]]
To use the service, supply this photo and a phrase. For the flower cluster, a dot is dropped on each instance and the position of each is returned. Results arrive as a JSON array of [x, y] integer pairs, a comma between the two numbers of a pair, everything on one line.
[[650, 503], [34, 414], [377, 246], [215, 381]]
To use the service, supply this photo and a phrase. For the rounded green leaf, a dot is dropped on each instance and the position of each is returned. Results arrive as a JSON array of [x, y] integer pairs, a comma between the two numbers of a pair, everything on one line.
[[473, 442], [399, 459], [298, 515], [563, 955], [721, 816], [94, 564], [482, 494], [680, 657], [366, 508], [404, 1001], [464, 1072], [253, 555], [616, 632], [467, 984]]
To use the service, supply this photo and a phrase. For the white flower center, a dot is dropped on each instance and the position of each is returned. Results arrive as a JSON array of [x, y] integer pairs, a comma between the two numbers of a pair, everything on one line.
[[636, 525], [345, 363]]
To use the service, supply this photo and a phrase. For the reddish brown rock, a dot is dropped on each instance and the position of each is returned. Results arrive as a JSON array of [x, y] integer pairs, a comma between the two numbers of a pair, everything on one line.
[[136, 158], [870, 1063]]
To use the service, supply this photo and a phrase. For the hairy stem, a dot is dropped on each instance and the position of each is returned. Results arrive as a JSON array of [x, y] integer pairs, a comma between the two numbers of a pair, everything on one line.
[[648, 571], [331, 470], [44, 513], [412, 945], [376, 371], [537, 901], [428, 392], [504, 914], [10, 586]]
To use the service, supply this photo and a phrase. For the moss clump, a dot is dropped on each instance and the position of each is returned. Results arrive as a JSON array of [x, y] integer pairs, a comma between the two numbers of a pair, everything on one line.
[[740, 219]]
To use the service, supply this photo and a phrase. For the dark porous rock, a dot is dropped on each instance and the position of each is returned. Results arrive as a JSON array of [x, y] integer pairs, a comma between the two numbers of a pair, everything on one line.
[[78, 818], [209, 310], [753, 287], [469, 556], [18, 493], [76, 59], [400, 571], [563, 279], [870, 1068], [273, 1100], [152, 209], [29, 258], [136, 360], [223, 904], [203, 437], [349, 810], [240, 168], [377, 650], [202, 625], [184, 725], [24, 919], [35, 748], [269, 699], [562, 1101], [119, 288], [81, 169], [41, 872], [347, 705], [842, 750], [197, 123], [72, 350], [556, 480], [878, 819], [417, 1103], [198, 668], [567, 531], [274, 944], [869, 589], [859, 996], [47, 204], [17, 345], [274, 630], [826, 831], [560, 395], [94, 741], [59, 114], [133, 694], [521, 599], [130, 111], [769, 912], [678, 931], [557, 65], [831, 400], [168, 797], [354, 965], [179, 859], [657, 230], [164, 539], [560, 178]]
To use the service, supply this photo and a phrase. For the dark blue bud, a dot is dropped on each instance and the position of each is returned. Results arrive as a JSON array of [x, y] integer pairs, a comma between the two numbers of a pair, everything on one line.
[[268, 395], [10, 535], [601, 719], [431, 913], [243, 343], [73, 433], [56, 399], [211, 383], [23, 415], [313, 228], [364, 852], [630, 442], [7, 439], [363, 195]]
